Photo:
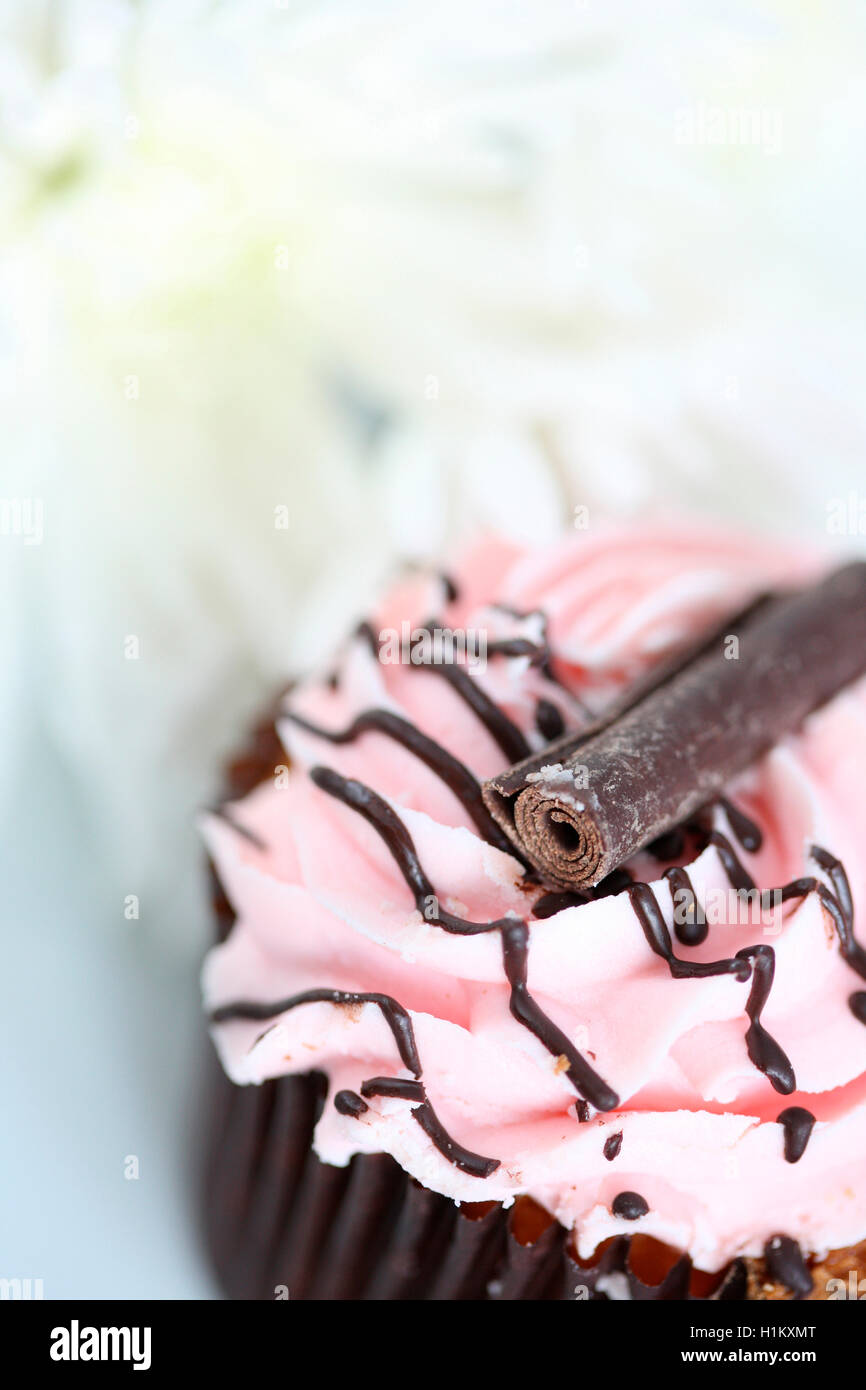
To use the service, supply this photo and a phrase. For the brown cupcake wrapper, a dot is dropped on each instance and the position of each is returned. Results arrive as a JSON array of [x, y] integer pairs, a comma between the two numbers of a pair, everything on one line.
[[280, 1223]]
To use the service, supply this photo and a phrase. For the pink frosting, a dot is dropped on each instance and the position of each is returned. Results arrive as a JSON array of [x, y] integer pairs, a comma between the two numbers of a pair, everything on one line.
[[323, 904]]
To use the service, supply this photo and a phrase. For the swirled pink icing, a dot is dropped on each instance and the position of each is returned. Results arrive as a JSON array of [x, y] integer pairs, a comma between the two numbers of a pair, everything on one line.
[[321, 903]]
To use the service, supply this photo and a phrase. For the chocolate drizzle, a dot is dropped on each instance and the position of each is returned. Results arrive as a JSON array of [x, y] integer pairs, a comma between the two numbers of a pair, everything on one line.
[[396, 1017], [797, 1124], [852, 951], [365, 632], [395, 1088], [755, 963], [667, 846], [515, 941], [763, 1050], [842, 916], [347, 1102], [835, 871], [738, 876], [502, 730], [391, 829], [518, 646], [550, 903], [655, 930], [497, 723], [474, 1164], [690, 923], [514, 932], [505, 733], [746, 831], [857, 1005], [450, 770], [452, 593]]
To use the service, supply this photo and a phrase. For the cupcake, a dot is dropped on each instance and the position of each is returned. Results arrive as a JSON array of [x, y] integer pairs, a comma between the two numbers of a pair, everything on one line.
[[463, 1055]]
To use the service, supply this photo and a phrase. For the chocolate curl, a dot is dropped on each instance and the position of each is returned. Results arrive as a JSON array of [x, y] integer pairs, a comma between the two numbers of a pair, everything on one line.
[[589, 801]]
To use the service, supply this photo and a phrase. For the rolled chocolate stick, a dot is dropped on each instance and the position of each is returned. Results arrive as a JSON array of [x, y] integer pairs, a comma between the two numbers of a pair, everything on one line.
[[583, 806]]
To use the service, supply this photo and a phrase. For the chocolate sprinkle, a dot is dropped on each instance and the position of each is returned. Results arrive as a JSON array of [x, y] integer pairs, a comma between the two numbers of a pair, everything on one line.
[[797, 1124], [786, 1265], [348, 1103], [630, 1206], [548, 720], [612, 1145]]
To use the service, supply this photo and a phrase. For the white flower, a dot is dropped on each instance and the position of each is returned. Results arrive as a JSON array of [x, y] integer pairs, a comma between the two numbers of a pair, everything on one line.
[[403, 270]]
